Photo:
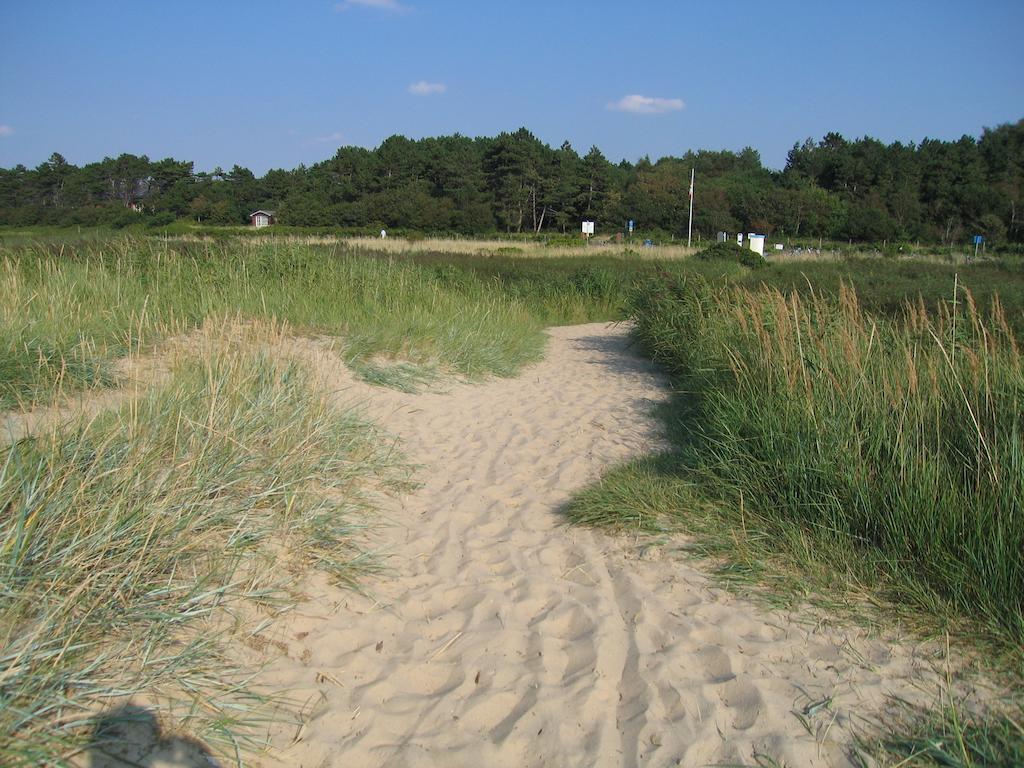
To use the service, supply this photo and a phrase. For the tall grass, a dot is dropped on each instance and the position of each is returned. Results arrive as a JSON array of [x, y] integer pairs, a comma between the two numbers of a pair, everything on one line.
[[69, 307], [946, 734], [885, 454], [556, 291], [553, 246], [884, 285], [60, 323], [120, 536], [66, 312]]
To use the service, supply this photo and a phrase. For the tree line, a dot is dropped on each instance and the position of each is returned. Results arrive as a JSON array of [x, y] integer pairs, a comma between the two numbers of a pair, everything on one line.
[[862, 189]]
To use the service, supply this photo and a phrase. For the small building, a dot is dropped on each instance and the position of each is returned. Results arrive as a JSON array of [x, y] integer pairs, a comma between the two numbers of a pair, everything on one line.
[[261, 218]]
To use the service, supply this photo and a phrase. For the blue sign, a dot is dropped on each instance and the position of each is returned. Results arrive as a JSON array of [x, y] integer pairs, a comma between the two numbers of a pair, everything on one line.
[[978, 239], [630, 225]]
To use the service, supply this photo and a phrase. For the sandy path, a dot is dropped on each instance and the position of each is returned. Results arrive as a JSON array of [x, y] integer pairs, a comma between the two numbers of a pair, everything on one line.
[[503, 637]]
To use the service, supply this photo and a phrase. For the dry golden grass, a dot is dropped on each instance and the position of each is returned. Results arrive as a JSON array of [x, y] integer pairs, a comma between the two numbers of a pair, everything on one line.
[[398, 245], [472, 247]]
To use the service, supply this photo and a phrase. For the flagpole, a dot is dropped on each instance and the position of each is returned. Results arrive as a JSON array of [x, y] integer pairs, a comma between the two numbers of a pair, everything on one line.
[[689, 229]]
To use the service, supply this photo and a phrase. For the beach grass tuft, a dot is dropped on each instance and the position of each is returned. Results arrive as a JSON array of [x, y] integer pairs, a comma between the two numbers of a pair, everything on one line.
[[67, 314], [870, 463], [123, 535], [886, 452]]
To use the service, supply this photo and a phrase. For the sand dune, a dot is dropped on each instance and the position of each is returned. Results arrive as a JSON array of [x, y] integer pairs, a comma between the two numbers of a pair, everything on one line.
[[503, 637]]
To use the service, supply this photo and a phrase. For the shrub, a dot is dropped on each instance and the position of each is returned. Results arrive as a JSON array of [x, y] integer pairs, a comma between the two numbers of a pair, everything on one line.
[[161, 219], [734, 253]]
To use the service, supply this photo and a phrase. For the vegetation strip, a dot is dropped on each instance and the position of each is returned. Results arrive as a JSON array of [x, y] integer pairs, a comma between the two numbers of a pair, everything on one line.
[[120, 537], [821, 449], [66, 316]]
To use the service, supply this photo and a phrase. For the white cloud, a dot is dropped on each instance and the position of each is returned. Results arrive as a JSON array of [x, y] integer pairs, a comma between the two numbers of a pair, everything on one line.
[[423, 88], [391, 6], [6, 130], [646, 105], [329, 138]]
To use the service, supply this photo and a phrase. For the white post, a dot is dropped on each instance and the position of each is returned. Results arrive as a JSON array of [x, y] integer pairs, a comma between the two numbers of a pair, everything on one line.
[[689, 228]]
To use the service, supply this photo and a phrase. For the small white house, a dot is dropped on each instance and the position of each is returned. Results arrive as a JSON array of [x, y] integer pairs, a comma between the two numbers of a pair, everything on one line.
[[261, 218]]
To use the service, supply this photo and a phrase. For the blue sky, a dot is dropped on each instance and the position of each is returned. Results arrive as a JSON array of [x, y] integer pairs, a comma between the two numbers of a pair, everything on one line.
[[275, 84]]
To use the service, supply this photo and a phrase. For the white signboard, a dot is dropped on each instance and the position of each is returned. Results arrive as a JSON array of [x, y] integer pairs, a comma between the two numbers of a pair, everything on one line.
[[588, 227]]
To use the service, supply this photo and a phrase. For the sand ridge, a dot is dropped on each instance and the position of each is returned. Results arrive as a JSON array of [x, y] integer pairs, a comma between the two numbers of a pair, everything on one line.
[[503, 637]]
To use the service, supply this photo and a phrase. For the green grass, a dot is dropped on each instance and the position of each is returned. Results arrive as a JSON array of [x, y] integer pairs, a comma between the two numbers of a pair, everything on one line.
[[555, 290], [120, 537], [888, 451], [861, 459], [946, 734], [404, 377], [71, 304], [67, 312], [884, 285], [69, 309]]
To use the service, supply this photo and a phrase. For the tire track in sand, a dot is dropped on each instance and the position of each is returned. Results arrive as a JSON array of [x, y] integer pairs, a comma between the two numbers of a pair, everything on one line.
[[503, 637]]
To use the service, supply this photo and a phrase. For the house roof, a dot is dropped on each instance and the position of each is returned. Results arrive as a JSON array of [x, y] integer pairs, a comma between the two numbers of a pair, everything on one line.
[[269, 213]]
